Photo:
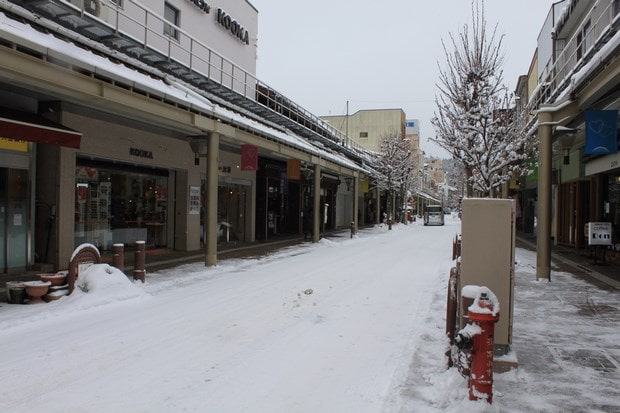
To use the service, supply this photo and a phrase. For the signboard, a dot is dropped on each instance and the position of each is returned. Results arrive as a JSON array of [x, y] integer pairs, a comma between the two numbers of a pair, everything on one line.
[[249, 158], [599, 233], [194, 200], [293, 169], [13, 144], [601, 132]]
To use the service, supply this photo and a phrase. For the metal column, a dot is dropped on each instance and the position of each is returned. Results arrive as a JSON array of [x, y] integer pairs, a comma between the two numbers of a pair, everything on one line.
[[543, 225], [213, 143]]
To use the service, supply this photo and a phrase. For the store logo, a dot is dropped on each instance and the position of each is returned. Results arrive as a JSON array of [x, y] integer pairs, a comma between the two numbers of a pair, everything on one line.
[[202, 5], [233, 26], [140, 153]]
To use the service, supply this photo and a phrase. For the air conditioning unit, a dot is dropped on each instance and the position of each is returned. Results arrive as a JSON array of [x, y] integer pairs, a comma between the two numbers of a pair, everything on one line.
[[97, 8]]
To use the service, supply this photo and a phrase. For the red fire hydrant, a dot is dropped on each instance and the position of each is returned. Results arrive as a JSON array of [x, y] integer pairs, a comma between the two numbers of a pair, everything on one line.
[[483, 313]]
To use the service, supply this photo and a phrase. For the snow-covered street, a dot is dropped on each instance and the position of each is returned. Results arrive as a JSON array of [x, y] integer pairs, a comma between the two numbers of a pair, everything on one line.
[[345, 325]]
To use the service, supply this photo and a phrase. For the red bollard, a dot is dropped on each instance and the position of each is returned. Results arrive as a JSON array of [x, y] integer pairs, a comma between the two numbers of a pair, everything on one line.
[[118, 256], [139, 273], [451, 311], [485, 313]]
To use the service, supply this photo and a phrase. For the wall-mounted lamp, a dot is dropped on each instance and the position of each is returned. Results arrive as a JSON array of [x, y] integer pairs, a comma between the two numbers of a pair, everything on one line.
[[566, 139], [349, 182], [307, 173], [199, 146]]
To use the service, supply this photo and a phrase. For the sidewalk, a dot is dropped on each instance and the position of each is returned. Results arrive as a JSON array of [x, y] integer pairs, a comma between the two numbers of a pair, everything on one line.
[[578, 263], [566, 335], [162, 258]]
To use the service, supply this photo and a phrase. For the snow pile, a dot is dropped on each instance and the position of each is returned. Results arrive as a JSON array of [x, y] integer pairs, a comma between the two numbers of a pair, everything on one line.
[[101, 284]]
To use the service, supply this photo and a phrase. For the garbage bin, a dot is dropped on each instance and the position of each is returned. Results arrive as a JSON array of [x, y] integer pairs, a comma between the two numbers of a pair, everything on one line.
[[16, 292]]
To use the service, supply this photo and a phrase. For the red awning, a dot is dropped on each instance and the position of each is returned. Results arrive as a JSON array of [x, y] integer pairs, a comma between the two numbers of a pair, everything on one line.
[[30, 127]]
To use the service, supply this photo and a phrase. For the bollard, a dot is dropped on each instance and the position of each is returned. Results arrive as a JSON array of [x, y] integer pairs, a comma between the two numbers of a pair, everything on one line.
[[389, 224], [484, 312], [451, 311], [139, 273], [118, 256], [352, 228]]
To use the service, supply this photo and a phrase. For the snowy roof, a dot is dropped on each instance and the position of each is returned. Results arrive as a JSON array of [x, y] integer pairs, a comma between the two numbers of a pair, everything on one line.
[[168, 87]]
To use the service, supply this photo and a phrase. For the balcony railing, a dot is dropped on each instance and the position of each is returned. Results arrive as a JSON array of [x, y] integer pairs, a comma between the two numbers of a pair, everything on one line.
[[140, 33], [594, 30]]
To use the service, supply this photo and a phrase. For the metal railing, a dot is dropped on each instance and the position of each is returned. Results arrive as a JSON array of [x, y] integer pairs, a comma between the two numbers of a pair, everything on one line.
[[154, 34], [594, 30]]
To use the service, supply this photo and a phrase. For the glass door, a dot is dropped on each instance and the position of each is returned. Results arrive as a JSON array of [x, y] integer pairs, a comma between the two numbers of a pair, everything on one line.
[[3, 215], [14, 219]]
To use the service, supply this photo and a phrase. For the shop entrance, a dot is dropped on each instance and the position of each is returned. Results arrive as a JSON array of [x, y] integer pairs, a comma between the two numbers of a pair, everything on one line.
[[114, 205], [14, 219]]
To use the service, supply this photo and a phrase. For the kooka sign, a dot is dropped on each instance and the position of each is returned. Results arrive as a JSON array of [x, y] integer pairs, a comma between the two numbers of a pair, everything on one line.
[[232, 26], [202, 5]]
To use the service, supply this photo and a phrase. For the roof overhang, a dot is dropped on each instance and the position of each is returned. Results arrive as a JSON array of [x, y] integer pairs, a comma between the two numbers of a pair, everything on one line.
[[33, 128]]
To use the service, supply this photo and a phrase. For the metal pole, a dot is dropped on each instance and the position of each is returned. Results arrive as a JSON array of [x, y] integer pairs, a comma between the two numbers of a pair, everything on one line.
[[378, 206], [355, 202], [543, 228], [316, 212], [213, 143]]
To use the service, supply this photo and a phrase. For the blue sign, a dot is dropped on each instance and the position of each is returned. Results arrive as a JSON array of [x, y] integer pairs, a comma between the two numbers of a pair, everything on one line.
[[601, 132]]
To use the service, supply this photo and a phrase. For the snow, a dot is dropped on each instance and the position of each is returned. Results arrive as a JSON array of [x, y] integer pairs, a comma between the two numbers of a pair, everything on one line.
[[168, 87], [83, 247], [342, 325], [488, 306]]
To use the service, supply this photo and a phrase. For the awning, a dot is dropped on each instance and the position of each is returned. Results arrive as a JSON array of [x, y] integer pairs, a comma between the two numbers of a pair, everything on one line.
[[428, 197], [30, 127]]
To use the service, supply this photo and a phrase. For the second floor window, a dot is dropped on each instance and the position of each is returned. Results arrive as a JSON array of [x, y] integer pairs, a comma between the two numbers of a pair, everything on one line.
[[584, 40], [171, 15]]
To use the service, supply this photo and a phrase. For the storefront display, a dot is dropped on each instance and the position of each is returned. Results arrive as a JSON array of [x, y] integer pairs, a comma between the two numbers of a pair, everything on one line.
[[120, 206]]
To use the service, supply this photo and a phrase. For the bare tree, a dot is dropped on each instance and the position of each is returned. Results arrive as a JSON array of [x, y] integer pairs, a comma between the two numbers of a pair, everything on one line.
[[473, 121], [396, 167], [455, 179]]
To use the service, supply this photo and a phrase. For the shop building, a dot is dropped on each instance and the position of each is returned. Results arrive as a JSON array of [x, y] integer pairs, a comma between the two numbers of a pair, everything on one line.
[[119, 124], [576, 101]]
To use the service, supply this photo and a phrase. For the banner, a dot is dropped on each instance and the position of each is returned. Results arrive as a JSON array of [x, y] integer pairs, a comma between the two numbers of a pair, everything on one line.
[[249, 158], [601, 132], [293, 169]]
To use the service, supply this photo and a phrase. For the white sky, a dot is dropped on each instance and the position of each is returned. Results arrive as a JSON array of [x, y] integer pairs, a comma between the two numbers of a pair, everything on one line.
[[380, 55], [343, 325]]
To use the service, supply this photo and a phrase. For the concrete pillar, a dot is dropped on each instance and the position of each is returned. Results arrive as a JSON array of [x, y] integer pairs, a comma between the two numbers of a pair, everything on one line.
[[316, 208], [543, 228], [213, 143]]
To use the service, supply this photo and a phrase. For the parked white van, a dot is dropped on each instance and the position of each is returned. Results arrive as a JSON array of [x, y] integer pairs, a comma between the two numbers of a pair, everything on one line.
[[433, 215]]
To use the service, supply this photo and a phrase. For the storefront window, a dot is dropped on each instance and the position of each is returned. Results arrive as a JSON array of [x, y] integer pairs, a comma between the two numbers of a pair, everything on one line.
[[114, 206], [612, 209], [231, 212]]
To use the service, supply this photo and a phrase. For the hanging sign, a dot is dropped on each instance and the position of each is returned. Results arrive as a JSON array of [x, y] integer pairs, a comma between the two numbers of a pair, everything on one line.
[[293, 169], [601, 132], [249, 158]]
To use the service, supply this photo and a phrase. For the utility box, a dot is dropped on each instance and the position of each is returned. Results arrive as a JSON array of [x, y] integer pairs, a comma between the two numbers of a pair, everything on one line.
[[488, 256]]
